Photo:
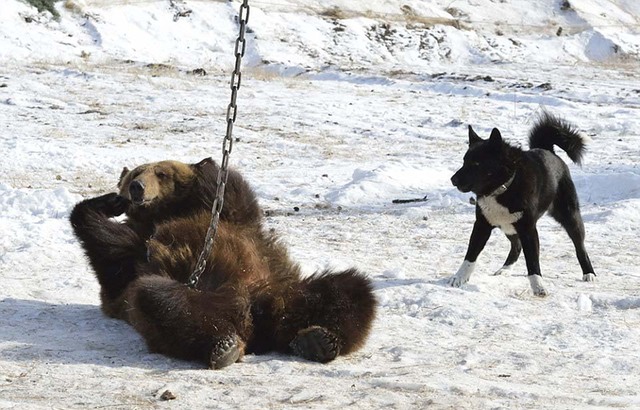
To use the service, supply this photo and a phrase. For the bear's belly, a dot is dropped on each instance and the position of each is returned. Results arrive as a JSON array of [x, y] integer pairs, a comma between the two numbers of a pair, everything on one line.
[[499, 215]]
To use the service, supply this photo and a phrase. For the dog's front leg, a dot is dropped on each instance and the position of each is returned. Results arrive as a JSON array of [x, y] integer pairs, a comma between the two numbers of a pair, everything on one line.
[[479, 237], [531, 246]]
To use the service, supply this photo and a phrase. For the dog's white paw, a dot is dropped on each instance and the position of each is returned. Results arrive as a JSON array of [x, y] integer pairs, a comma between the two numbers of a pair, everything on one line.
[[456, 282], [540, 292], [462, 276], [589, 277], [536, 285]]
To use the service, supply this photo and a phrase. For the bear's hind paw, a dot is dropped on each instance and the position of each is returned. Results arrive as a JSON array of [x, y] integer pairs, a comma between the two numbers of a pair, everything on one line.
[[226, 351], [317, 344]]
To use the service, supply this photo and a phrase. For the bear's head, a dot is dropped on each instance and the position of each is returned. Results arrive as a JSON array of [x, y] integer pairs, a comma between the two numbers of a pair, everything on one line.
[[168, 187]]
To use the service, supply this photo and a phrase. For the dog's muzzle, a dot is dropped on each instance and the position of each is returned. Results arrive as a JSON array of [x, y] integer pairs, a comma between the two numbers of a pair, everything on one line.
[[455, 180]]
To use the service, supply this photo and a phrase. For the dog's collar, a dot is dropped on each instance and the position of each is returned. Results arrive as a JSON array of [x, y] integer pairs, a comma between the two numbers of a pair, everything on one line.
[[503, 188]]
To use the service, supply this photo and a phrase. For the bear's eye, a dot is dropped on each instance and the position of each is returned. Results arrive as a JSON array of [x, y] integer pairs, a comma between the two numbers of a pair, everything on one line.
[[161, 174]]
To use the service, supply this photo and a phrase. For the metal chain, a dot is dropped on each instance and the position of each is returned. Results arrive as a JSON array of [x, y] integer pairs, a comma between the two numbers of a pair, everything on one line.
[[236, 76]]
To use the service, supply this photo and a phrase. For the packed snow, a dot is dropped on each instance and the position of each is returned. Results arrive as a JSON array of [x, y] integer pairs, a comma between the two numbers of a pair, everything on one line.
[[344, 107]]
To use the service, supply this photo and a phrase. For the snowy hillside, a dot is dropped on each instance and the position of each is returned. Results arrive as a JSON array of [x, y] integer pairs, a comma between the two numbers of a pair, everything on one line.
[[344, 107], [295, 36]]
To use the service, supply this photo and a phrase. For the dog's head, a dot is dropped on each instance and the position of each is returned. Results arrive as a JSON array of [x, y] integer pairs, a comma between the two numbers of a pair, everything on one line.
[[485, 165]]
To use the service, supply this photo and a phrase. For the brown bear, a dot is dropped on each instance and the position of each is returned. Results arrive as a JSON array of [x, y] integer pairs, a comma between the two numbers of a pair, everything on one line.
[[251, 297]]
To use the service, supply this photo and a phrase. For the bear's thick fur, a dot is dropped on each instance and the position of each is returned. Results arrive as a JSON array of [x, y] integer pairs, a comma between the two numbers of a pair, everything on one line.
[[251, 297]]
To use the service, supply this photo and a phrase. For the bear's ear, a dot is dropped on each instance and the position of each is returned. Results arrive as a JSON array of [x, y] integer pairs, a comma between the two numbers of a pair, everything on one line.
[[207, 169], [124, 172], [473, 137], [204, 162]]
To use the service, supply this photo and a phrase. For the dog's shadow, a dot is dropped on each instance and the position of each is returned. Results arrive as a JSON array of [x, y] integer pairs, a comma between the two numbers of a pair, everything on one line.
[[32, 330]]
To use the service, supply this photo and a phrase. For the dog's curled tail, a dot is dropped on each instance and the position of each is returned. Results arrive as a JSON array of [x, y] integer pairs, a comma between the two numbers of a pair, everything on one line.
[[550, 130]]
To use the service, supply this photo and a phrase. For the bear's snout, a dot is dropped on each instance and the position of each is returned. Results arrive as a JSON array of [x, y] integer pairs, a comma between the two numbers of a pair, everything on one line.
[[136, 191]]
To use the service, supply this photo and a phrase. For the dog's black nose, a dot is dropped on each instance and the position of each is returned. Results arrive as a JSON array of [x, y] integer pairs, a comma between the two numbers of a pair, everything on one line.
[[136, 191], [455, 180]]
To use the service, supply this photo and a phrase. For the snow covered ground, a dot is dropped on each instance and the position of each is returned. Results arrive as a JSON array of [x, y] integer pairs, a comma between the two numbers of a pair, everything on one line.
[[344, 107]]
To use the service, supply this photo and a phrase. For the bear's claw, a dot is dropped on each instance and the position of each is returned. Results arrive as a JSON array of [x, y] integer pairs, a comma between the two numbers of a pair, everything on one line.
[[226, 351], [317, 344]]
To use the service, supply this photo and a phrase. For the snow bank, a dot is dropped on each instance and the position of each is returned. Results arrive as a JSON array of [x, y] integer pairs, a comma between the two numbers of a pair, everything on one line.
[[385, 183], [41, 203]]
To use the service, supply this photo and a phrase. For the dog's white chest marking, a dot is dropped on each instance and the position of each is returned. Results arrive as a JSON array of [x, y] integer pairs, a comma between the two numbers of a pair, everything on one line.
[[498, 215]]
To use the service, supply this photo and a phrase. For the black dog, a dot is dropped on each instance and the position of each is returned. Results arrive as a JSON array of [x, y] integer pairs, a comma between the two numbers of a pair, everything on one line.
[[515, 188]]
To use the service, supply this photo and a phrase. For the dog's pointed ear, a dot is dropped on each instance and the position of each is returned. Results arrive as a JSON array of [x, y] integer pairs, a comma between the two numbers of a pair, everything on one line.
[[124, 172], [496, 137], [473, 137]]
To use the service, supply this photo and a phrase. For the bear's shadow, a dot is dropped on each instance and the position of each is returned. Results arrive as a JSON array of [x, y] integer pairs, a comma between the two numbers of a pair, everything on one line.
[[32, 330]]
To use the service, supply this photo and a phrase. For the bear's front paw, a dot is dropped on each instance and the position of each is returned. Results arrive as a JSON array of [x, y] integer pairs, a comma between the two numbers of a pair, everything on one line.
[[111, 204], [120, 205], [226, 351], [316, 343]]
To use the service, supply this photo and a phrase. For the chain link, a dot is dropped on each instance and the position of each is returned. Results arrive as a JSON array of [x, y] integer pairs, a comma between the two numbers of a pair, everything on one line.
[[223, 174]]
